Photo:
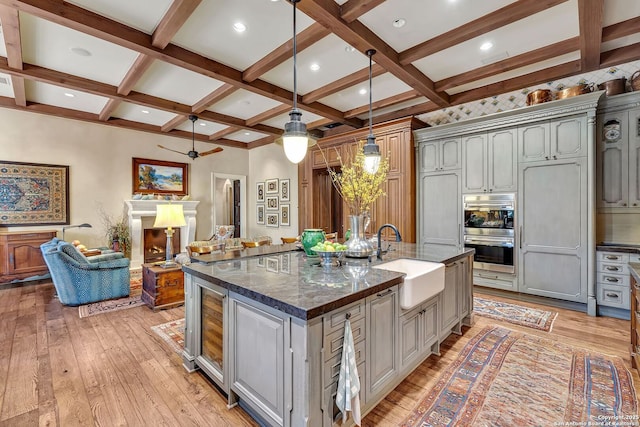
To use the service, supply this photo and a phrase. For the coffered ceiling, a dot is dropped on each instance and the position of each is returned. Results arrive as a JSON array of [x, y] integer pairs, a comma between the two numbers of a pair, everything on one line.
[[148, 64]]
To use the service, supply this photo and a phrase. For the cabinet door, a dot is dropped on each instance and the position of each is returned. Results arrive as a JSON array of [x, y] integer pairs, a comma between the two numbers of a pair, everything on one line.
[[474, 160], [410, 336], [450, 152], [533, 142], [449, 309], [634, 157], [430, 328], [382, 349], [611, 161], [439, 209], [502, 161], [465, 274], [553, 235], [568, 137], [429, 156], [257, 341]]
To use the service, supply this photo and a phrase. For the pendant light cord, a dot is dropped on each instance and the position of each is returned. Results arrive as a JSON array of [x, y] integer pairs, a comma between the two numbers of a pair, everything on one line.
[[295, 77], [370, 52]]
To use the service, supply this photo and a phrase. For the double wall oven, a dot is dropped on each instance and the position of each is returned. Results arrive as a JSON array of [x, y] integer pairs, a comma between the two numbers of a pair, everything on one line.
[[489, 229]]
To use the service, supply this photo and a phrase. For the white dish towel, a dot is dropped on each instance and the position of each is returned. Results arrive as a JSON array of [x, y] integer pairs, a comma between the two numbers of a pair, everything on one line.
[[348, 396]]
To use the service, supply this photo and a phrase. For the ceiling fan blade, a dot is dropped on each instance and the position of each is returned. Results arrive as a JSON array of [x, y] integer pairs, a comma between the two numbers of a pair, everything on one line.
[[175, 151], [206, 153]]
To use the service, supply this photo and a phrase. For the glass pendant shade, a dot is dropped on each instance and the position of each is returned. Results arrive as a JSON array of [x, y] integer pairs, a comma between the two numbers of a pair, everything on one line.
[[295, 139]]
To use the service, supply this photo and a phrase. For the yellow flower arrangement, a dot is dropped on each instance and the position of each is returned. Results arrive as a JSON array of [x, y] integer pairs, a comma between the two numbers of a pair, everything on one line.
[[357, 187]]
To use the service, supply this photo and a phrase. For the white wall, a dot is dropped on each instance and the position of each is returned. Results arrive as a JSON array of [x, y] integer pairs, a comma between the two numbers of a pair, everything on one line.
[[268, 162], [100, 166]]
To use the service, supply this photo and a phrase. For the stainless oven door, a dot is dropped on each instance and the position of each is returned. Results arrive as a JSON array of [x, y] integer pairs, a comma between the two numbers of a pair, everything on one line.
[[493, 253]]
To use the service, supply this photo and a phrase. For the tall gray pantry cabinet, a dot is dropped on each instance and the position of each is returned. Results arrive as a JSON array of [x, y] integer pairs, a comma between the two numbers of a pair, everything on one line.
[[545, 154]]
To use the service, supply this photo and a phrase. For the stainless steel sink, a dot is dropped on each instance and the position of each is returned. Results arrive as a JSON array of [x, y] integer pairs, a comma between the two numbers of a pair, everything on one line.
[[423, 279]]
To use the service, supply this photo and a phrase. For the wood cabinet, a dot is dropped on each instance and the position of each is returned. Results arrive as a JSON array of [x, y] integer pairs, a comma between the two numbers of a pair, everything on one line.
[[321, 207], [441, 155], [162, 287], [382, 311], [489, 162], [20, 254]]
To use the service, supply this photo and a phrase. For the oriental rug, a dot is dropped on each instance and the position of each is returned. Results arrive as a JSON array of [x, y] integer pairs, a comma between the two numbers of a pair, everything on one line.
[[172, 333], [509, 378], [133, 300], [513, 313]]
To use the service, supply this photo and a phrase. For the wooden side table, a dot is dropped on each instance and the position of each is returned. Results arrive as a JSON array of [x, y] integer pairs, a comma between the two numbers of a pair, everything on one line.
[[162, 287]]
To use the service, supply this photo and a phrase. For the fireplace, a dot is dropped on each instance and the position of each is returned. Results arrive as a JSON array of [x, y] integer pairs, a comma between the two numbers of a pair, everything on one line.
[[154, 244], [142, 214]]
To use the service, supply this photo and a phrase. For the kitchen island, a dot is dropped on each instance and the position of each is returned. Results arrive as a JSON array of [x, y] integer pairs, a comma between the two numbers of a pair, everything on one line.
[[267, 326]]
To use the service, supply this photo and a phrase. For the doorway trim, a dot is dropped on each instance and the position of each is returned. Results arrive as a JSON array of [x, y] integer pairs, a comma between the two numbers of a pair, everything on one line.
[[243, 199]]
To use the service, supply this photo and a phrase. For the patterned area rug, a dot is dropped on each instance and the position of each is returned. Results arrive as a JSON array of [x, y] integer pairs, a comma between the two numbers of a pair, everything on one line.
[[516, 314], [172, 333], [508, 378], [133, 300]]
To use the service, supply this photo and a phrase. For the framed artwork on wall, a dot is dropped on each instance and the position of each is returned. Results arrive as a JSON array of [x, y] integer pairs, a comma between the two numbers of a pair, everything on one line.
[[260, 192], [272, 219], [260, 214], [284, 190], [271, 186], [272, 202], [33, 194], [284, 214], [159, 177]]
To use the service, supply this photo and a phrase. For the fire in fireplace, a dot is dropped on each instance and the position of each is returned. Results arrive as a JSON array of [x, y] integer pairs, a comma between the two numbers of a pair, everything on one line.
[[155, 244]]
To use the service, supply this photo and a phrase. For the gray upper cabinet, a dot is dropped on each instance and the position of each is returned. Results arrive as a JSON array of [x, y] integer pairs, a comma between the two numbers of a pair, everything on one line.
[[440, 209], [489, 162], [441, 155], [554, 139], [618, 178]]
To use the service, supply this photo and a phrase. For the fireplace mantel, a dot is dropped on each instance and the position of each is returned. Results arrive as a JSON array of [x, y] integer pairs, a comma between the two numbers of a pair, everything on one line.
[[139, 209]]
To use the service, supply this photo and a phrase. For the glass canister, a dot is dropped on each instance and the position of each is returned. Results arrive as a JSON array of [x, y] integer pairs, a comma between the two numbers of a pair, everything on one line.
[[309, 238]]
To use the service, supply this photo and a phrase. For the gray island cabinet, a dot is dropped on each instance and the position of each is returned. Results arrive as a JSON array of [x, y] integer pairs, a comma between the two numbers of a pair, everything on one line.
[[268, 328]]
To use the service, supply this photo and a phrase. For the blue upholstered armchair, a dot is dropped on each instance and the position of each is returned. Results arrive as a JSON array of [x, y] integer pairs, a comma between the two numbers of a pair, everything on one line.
[[81, 280]]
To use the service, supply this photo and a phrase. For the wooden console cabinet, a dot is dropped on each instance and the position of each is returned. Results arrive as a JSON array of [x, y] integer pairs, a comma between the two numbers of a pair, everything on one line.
[[20, 255], [162, 287]]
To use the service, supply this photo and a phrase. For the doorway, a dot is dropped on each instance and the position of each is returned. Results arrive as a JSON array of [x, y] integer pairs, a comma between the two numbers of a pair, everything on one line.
[[227, 194], [328, 210]]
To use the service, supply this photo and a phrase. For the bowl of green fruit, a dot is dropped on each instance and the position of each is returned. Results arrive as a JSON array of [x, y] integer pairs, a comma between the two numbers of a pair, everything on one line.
[[329, 252]]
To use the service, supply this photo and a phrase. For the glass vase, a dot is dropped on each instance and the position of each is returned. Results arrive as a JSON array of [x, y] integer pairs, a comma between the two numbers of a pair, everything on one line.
[[357, 245]]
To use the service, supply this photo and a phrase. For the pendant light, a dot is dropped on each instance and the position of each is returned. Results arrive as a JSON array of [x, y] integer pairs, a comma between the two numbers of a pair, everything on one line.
[[371, 149], [295, 139]]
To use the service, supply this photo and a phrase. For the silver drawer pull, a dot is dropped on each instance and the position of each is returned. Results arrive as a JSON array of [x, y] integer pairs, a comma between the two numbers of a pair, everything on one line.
[[610, 295], [611, 268], [612, 257], [611, 279], [385, 293]]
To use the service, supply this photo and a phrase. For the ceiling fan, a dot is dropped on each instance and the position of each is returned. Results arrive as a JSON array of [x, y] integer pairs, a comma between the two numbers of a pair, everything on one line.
[[193, 154]]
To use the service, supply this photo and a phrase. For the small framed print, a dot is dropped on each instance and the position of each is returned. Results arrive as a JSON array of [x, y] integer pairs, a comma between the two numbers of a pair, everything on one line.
[[272, 202], [260, 262], [271, 186], [260, 214], [285, 261], [272, 219], [260, 192], [284, 214], [272, 264], [284, 190]]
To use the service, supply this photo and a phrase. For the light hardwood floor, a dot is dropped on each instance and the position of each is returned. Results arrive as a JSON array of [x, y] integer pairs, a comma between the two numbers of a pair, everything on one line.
[[57, 369]]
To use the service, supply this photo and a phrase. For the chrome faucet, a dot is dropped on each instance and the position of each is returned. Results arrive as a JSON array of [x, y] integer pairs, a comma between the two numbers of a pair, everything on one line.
[[379, 252]]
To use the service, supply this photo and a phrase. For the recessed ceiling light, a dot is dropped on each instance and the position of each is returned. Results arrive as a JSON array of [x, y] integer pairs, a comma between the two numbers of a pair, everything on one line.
[[80, 51], [362, 91], [70, 95], [247, 133], [203, 124], [314, 67], [349, 48], [399, 23], [486, 46], [239, 27], [144, 111]]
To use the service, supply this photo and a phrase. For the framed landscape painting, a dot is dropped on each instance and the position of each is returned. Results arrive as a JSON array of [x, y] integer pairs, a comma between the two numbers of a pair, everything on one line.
[[33, 194], [160, 177]]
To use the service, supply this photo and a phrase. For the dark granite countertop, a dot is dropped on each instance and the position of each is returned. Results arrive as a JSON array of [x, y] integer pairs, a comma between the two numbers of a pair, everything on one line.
[[618, 247], [291, 282]]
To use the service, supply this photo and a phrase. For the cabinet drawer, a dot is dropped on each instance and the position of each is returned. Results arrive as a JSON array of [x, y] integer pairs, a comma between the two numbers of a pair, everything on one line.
[[333, 341], [332, 366], [494, 281], [634, 257], [613, 279], [172, 279], [613, 257], [613, 296], [607, 267], [335, 320]]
